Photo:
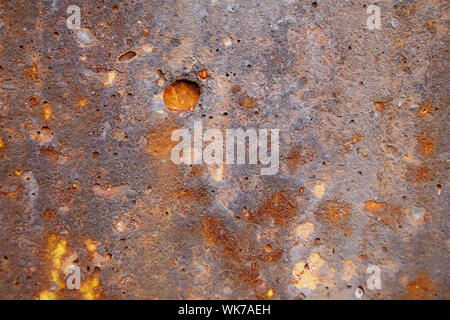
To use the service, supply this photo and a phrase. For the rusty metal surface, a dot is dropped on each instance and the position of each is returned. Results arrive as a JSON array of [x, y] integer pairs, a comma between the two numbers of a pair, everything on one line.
[[86, 177]]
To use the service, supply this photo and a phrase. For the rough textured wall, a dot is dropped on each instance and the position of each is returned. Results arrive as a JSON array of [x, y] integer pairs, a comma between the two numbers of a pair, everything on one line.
[[86, 177]]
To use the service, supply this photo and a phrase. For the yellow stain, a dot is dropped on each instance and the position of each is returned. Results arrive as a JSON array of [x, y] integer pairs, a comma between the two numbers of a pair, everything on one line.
[[306, 274], [304, 230], [57, 248], [216, 172], [270, 293], [17, 172], [91, 247], [47, 295], [88, 289], [319, 189], [46, 110], [54, 277], [424, 111], [110, 78], [2, 143], [349, 270], [83, 102], [12, 194]]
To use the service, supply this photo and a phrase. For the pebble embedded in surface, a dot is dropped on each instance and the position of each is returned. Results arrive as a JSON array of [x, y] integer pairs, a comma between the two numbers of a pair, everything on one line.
[[181, 95]]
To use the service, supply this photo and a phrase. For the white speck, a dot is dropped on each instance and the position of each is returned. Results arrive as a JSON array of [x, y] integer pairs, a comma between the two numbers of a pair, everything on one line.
[[395, 23], [359, 293], [85, 36]]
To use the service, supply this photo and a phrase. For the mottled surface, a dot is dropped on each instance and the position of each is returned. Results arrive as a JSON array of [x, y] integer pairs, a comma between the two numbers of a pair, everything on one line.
[[86, 177]]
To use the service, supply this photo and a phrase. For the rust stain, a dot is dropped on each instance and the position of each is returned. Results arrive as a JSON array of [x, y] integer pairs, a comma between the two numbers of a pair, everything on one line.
[[281, 207], [336, 212], [426, 144], [248, 102], [421, 287], [424, 110]]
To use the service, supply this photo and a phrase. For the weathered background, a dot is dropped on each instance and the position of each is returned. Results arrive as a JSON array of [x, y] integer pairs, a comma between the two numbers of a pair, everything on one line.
[[86, 178]]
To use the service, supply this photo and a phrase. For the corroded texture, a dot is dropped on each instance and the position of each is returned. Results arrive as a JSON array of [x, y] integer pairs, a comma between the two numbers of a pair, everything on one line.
[[85, 171]]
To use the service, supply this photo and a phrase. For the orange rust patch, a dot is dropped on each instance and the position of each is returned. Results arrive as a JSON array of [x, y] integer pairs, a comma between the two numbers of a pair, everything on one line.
[[421, 287], [424, 110], [33, 101], [281, 207], [248, 102], [46, 110], [242, 259], [31, 72], [353, 140], [423, 174], [298, 158], [54, 155], [159, 141], [383, 104], [82, 102], [388, 213], [373, 206], [49, 213], [426, 144], [181, 95], [336, 212], [203, 74]]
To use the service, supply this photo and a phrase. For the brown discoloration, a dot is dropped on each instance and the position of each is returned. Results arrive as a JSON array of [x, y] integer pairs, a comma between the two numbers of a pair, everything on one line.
[[297, 160], [336, 212], [248, 102], [423, 174], [384, 104], [281, 207], [421, 287], [85, 143], [426, 144], [46, 110], [49, 213], [389, 214], [159, 142], [374, 207], [241, 253], [424, 110]]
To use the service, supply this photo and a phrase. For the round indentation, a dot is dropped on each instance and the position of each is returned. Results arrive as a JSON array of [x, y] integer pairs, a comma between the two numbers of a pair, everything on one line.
[[182, 95]]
